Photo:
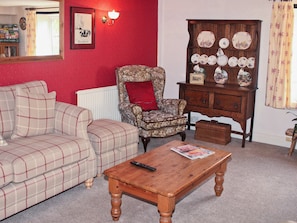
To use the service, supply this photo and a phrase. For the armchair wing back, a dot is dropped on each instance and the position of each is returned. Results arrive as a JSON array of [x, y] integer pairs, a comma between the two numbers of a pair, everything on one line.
[[140, 73], [165, 120]]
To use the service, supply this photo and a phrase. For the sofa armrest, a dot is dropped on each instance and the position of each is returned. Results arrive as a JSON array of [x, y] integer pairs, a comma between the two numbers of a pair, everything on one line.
[[72, 120], [173, 106]]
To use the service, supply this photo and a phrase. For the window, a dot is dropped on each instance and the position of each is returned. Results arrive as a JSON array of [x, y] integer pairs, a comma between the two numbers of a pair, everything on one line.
[[47, 34]]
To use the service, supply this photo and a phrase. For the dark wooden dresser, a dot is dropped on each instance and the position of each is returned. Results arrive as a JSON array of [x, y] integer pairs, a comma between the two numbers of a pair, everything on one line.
[[229, 99]]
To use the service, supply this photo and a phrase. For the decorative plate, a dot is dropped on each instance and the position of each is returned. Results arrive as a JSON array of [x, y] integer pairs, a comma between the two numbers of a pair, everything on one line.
[[241, 40], [206, 39], [224, 43], [195, 58], [232, 62], [244, 78], [251, 62], [203, 59], [212, 60], [220, 76], [242, 62], [22, 23], [222, 60]]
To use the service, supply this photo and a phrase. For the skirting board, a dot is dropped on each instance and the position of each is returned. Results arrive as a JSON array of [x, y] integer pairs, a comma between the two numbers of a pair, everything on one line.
[[276, 140], [262, 137]]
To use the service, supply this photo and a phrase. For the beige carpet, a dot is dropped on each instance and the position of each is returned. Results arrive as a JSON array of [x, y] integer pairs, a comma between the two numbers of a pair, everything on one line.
[[260, 187]]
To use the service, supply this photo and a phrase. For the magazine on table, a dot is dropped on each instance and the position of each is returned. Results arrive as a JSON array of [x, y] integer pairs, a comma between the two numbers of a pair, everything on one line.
[[192, 152]]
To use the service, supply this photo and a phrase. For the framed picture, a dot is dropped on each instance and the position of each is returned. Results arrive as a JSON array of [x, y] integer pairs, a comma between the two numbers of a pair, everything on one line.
[[82, 28], [197, 78]]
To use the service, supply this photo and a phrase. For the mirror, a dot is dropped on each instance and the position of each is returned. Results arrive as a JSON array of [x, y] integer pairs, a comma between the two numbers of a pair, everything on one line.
[[13, 46]]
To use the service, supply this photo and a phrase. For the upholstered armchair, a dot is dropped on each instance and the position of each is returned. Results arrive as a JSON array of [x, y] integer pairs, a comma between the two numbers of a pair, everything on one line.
[[141, 103]]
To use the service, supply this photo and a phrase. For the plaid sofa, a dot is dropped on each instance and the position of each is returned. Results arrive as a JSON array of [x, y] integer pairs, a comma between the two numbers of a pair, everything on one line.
[[44, 146]]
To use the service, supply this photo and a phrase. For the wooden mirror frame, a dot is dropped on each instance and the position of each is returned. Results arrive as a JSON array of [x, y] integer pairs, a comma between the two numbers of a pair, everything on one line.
[[43, 58]]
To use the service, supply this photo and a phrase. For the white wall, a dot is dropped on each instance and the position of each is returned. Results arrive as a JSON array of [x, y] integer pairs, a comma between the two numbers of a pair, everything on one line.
[[269, 124]]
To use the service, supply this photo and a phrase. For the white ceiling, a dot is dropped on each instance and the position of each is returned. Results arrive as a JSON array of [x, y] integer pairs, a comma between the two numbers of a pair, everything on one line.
[[31, 3]]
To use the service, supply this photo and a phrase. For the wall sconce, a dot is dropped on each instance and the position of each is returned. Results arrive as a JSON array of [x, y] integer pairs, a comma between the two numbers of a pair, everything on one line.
[[112, 15]]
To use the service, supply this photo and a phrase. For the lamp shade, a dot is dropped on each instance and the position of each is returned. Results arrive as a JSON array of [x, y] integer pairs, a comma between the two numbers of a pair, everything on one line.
[[113, 14]]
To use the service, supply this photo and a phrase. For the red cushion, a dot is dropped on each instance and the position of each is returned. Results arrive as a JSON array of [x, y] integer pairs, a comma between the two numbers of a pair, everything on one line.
[[142, 94]]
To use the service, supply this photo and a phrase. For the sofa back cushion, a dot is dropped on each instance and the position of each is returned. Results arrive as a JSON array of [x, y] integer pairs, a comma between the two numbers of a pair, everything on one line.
[[34, 113], [7, 104]]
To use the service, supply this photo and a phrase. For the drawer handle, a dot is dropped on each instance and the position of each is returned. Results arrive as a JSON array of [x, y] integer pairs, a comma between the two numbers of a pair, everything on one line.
[[235, 106], [204, 101]]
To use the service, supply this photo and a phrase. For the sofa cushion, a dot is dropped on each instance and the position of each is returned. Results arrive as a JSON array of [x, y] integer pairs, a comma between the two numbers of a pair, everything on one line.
[[35, 155], [6, 173], [158, 119], [142, 94], [34, 113], [108, 135], [7, 104]]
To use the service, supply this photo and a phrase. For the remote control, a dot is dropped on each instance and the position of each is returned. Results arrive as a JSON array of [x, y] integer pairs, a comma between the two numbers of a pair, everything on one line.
[[143, 165]]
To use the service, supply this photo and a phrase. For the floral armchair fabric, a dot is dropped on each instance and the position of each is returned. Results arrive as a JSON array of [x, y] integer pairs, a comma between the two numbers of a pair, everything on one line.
[[168, 120]]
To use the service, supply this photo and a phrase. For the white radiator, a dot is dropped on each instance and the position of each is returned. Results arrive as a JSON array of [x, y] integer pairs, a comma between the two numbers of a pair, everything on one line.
[[103, 102]]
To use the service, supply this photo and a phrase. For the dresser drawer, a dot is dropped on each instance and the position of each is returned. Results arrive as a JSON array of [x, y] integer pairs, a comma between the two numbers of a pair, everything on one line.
[[197, 98], [227, 102]]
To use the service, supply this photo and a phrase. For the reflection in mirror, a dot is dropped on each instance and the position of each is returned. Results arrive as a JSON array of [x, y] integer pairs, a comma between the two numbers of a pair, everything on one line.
[[31, 30]]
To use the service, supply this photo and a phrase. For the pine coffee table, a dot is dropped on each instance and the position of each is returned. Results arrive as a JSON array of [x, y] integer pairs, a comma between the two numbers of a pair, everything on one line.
[[174, 178]]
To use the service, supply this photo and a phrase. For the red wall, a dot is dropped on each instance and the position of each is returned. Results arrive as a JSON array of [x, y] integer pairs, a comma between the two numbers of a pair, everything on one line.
[[131, 40]]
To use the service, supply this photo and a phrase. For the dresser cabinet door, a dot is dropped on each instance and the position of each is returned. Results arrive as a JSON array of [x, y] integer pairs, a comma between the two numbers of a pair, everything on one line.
[[197, 98], [227, 102]]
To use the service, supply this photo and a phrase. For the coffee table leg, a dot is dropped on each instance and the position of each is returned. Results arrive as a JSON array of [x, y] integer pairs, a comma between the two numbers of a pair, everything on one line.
[[116, 199], [219, 179], [166, 206]]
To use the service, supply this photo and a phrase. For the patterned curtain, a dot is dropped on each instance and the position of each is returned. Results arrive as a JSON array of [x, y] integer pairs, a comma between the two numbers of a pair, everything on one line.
[[280, 53], [31, 33]]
